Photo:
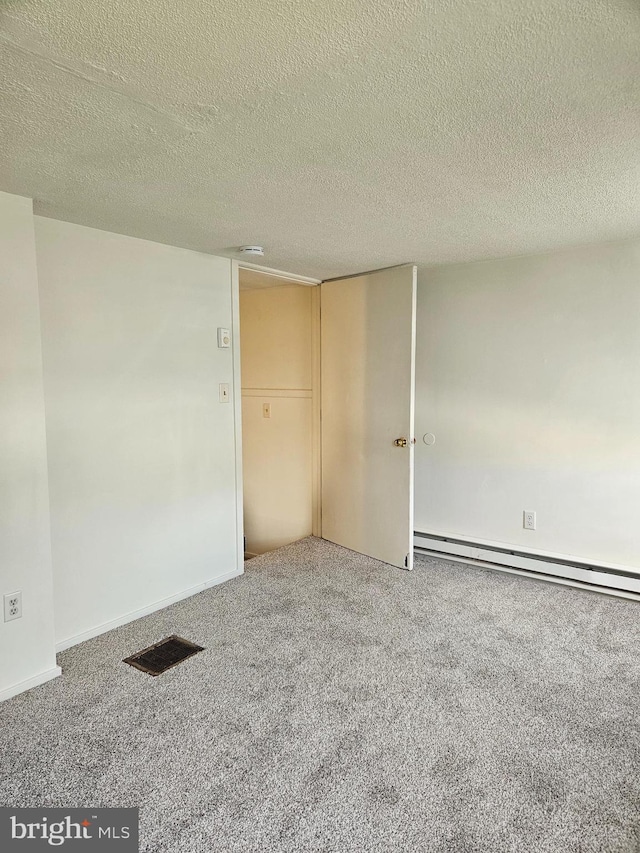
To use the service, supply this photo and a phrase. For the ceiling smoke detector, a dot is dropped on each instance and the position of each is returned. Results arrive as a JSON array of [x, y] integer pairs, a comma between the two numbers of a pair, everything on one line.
[[257, 251]]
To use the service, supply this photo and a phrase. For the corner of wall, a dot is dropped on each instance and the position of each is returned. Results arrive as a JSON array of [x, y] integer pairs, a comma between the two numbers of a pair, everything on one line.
[[27, 652]]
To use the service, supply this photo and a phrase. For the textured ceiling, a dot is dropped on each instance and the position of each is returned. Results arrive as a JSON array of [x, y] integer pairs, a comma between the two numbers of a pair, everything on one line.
[[340, 134]]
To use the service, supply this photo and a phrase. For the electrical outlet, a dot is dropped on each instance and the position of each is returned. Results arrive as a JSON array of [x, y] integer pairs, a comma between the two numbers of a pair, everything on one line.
[[12, 606], [529, 519], [266, 410]]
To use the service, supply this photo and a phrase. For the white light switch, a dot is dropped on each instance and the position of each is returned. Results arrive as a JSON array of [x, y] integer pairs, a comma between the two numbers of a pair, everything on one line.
[[224, 338], [266, 410], [224, 392]]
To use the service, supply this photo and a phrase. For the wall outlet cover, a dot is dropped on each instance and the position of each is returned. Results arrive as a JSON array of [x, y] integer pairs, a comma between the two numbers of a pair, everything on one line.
[[12, 606]]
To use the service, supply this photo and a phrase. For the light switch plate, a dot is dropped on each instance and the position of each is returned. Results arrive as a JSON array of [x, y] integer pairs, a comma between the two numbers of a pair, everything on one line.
[[224, 338]]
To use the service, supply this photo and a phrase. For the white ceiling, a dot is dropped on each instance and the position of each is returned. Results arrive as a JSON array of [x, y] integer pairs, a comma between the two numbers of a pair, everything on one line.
[[342, 135]]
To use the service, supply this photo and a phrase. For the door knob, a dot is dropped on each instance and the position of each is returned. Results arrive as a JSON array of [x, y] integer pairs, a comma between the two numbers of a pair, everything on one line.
[[400, 442]]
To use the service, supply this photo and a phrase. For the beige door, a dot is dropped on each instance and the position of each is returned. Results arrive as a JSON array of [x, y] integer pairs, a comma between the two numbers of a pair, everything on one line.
[[367, 398]]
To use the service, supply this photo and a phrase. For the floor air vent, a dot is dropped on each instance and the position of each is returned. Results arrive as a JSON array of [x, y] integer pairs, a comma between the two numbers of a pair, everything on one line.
[[163, 655]]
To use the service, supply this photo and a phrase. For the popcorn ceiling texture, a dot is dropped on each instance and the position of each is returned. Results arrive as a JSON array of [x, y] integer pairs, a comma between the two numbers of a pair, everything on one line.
[[345, 706], [343, 135]]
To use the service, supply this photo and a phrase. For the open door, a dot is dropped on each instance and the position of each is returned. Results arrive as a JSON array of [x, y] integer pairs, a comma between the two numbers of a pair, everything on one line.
[[368, 335]]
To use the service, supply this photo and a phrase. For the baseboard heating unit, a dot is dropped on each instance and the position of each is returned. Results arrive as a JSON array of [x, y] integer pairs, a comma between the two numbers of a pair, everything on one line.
[[597, 578]]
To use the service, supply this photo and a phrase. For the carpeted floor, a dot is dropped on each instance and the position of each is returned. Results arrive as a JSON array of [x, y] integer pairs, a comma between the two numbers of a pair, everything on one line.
[[343, 705]]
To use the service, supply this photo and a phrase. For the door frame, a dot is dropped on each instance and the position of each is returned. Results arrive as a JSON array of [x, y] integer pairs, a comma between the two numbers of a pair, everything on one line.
[[236, 398]]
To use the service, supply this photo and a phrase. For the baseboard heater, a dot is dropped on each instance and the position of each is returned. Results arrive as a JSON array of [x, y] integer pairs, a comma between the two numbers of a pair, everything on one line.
[[614, 581]]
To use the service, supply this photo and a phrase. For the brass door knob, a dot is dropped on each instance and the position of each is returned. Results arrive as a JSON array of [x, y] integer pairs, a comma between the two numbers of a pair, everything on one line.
[[400, 442]]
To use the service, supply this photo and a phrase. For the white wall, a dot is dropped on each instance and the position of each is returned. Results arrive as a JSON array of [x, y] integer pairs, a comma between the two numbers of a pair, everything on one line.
[[527, 374], [27, 654], [141, 453], [277, 329]]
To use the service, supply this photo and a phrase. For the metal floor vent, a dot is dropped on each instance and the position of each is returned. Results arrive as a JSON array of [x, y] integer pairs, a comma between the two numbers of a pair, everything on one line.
[[163, 655]]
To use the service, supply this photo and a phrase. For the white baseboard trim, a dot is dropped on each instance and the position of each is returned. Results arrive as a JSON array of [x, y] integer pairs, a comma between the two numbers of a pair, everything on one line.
[[144, 611], [34, 681], [619, 581], [534, 553]]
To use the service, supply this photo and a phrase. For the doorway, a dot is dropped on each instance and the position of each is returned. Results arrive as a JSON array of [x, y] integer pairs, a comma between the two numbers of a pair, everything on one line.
[[279, 347], [358, 474]]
